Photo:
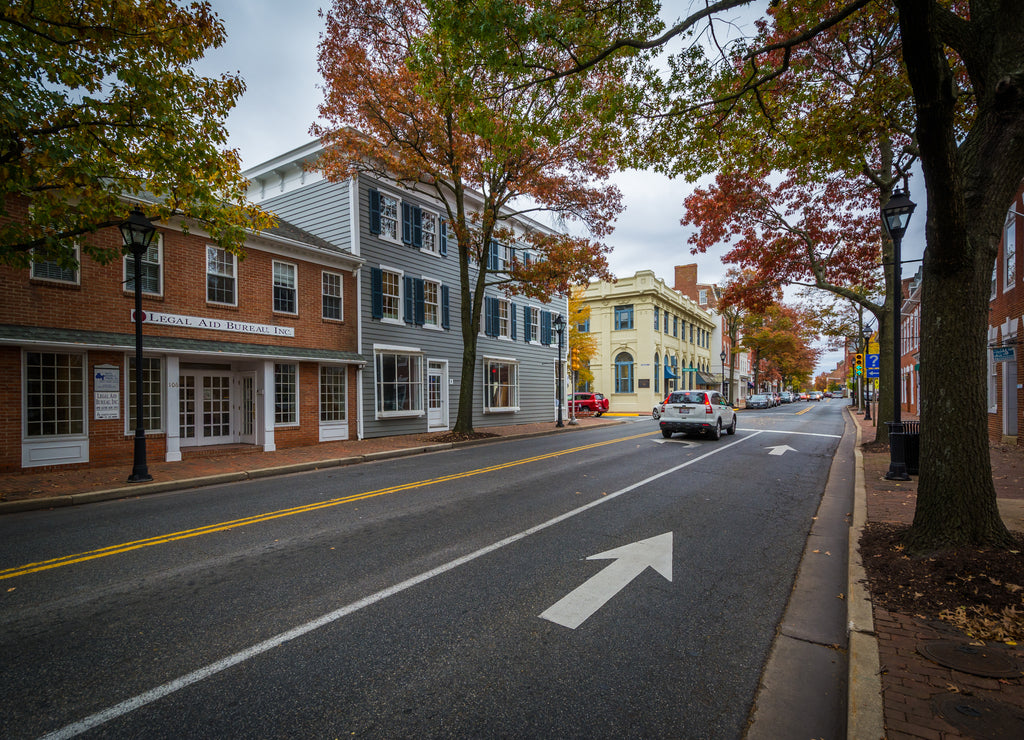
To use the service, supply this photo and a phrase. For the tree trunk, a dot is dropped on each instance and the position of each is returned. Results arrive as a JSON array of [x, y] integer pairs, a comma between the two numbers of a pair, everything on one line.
[[956, 499]]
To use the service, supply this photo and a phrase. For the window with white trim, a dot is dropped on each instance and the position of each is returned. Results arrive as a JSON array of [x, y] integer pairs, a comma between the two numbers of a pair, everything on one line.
[[152, 394], [55, 394], [331, 293], [53, 271], [333, 386], [703, 297], [1010, 253], [389, 217], [286, 394], [285, 288], [399, 383], [391, 295], [535, 324], [504, 320], [431, 303], [429, 231], [152, 268], [221, 267], [501, 385]]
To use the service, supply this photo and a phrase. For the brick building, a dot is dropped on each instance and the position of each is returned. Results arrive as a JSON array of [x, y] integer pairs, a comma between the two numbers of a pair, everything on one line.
[[1006, 310], [259, 350]]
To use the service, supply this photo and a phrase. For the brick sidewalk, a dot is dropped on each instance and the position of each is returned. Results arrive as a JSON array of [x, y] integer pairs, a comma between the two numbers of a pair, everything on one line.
[[912, 685]]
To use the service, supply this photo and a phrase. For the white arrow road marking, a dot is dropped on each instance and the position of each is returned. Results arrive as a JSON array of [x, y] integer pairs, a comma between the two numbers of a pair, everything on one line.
[[780, 450], [630, 561]]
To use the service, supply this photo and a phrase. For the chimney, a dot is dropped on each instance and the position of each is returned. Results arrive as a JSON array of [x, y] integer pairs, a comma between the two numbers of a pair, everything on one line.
[[686, 280]]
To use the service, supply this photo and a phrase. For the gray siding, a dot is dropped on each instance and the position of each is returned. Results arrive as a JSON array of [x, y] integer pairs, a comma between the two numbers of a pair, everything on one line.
[[321, 208]]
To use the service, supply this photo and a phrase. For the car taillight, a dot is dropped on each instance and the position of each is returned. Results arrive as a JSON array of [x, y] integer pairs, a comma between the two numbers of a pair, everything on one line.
[[708, 409]]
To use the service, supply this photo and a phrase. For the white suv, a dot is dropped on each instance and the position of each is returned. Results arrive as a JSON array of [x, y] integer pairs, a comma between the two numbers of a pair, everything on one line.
[[707, 412]]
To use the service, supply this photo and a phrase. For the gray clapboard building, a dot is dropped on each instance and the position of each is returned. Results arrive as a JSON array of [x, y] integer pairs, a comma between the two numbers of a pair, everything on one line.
[[408, 300]]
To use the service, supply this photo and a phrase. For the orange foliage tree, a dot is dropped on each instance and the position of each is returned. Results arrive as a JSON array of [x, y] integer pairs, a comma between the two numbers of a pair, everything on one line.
[[403, 103]]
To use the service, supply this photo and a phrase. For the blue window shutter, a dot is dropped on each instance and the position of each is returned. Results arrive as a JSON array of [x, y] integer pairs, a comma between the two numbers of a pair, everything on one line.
[[406, 223], [526, 258], [492, 256], [489, 316], [512, 313], [376, 293], [446, 322], [545, 327], [443, 244], [526, 323], [374, 212], [417, 227], [410, 300], [421, 318]]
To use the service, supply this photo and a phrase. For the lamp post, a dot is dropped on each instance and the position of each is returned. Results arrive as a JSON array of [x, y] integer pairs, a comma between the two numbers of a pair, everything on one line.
[[559, 323], [867, 404], [896, 214], [137, 233], [722, 358]]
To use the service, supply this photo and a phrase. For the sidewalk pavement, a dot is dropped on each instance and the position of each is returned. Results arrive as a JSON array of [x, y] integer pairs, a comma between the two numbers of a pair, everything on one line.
[[916, 691]]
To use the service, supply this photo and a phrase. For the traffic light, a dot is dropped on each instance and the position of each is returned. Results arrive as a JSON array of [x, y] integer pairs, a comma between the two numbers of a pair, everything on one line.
[[858, 363]]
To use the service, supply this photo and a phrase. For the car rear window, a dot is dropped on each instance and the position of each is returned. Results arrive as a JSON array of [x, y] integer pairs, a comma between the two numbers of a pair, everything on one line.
[[688, 397]]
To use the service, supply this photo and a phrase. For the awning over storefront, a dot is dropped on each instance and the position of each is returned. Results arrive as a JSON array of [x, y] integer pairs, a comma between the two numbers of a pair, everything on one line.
[[669, 375], [706, 379]]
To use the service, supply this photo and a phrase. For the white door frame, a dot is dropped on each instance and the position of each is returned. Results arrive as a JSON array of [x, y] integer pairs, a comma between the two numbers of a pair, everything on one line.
[[437, 416]]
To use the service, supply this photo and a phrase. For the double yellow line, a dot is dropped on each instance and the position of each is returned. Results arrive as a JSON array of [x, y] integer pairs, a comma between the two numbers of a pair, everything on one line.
[[281, 513]]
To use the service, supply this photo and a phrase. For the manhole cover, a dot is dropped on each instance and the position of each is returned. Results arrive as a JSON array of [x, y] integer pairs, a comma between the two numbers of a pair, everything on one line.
[[978, 660], [981, 719]]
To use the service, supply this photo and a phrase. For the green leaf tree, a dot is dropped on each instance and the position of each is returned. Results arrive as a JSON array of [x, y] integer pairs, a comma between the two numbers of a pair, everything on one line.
[[99, 102]]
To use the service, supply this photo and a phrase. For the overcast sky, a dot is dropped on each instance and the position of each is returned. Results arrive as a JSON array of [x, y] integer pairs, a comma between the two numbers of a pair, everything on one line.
[[273, 45]]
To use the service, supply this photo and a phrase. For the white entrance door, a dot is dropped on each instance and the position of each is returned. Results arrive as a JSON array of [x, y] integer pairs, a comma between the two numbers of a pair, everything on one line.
[[1010, 398], [204, 407], [437, 395]]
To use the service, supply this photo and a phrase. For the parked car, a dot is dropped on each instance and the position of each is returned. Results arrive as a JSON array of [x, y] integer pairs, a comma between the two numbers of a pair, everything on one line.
[[759, 401], [706, 412], [828, 394], [787, 397], [804, 396], [594, 403]]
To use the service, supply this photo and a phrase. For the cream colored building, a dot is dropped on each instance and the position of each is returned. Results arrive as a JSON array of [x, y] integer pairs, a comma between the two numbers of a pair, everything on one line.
[[651, 339]]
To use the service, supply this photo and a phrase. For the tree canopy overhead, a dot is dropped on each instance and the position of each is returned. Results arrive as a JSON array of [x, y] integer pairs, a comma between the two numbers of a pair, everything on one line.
[[406, 103], [99, 102]]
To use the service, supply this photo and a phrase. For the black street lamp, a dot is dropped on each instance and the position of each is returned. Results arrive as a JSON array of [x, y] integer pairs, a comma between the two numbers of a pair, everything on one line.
[[722, 358], [867, 406], [559, 323], [137, 233], [896, 214]]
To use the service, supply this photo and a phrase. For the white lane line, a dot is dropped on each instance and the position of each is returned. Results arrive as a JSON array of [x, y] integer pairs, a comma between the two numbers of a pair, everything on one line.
[[148, 697]]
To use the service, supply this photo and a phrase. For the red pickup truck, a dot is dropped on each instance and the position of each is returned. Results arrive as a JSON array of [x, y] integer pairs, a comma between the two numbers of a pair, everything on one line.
[[589, 403]]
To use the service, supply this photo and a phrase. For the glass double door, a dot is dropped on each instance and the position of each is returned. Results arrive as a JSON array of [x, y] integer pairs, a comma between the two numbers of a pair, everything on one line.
[[216, 408]]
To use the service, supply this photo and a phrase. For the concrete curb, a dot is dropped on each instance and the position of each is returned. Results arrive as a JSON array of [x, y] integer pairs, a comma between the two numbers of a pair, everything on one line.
[[865, 711], [121, 492]]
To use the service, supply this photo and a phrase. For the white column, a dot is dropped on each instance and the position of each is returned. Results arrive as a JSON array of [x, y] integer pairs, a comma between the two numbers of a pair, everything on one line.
[[265, 390], [173, 415]]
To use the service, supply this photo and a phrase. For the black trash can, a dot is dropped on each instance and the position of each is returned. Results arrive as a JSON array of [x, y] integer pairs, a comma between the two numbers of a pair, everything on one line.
[[905, 444]]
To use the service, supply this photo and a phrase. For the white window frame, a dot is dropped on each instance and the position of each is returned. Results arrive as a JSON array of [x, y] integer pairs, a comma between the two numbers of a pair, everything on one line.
[[414, 384], [280, 268], [335, 418], [702, 296], [429, 230], [153, 388], [534, 325], [513, 385], [340, 297], [281, 420], [390, 218], [431, 308], [213, 251], [156, 245], [1010, 252], [504, 319], [399, 287], [77, 414], [76, 278]]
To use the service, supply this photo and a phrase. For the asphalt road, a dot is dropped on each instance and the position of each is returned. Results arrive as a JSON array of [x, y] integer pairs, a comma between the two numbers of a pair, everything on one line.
[[405, 597]]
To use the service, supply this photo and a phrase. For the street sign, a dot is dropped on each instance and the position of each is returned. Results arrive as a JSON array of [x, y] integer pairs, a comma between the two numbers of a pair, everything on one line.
[[872, 366], [1004, 354]]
